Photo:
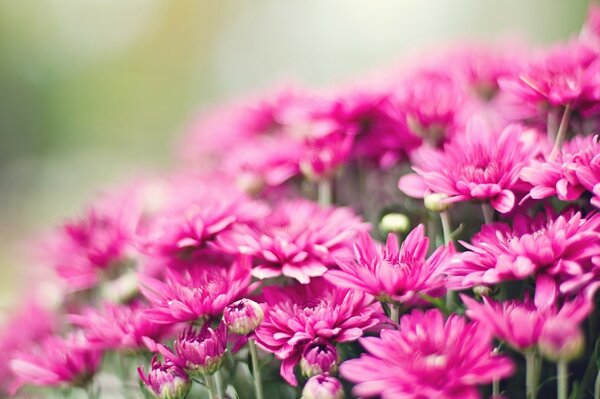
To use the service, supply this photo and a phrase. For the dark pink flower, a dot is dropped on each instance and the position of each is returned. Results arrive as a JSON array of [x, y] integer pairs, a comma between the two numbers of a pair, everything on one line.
[[243, 316], [299, 239], [194, 292], [166, 380], [120, 327], [99, 244], [477, 165], [520, 323], [590, 33], [57, 361], [323, 386], [561, 246], [393, 273], [299, 316], [428, 357]]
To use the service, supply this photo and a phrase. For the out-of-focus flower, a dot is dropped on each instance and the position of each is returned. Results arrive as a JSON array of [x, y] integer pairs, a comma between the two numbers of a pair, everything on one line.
[[392, 273], [561, 339], [120, 327], [298, 316], [322, 156], [319, 357], [99, 244], [428, 357], [166, 380], [195, 292], [29, 324], [200, 352], [394, 223], [323, 386], [243, 316], [477, 165], [574, 171], [57, 361], [299, 239], [561, 246], [521, 323], [590, 33]]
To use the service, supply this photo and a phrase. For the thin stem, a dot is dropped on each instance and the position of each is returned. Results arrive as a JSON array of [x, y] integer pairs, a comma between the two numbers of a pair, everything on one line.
[[488, 212], [562, 131], [562, 370], [597, 387], [495, 388], [218, 384], [445, 218], [325, 192], [258, 388], [395, 312], [530, 386], [210, 386]]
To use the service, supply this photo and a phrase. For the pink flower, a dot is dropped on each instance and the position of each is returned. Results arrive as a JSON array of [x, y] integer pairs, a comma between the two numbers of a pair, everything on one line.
[[299, 316], [243, 316], [427, 357], [298, 239], [166, 380], [323, 386], [561, 246], [194, 214], [590, 33], [564, 75], [520, 323], [56, 361], [395, 274], [195, 292], [477, 165], [100, 243], [574, 171], [118, 326], [200, 352]]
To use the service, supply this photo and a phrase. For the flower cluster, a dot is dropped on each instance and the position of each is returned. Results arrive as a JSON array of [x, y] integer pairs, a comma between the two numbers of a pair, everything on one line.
[[259, 258]]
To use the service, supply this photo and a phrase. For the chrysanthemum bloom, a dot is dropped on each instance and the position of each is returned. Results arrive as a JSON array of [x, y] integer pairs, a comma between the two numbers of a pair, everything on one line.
[[99, 244], [243, 316], [200, 352], [195, 212], [299, 239], [195, 292], [428, 357], [57, 361], [574, 171], [478, 165], [394, 274], [323, 386], [322, 156], [298, 316], [590, 33], [28, 324], [564, 75], [520, 323], [560, 246], [120, 327], [166, 380], [561, 339]]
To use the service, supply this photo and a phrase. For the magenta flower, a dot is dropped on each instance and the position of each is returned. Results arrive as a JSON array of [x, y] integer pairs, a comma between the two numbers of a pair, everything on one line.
[[394, 274], [297, 317], [574, 171], [318, 358], [323, 386], [166, 380], [520, 323], [243, 316], [199, 352], [195, 292], [100, 243], [57, 361], [120, 327], [477, 165], [428, 357], [561, 246], [298, 239], [590, 33]]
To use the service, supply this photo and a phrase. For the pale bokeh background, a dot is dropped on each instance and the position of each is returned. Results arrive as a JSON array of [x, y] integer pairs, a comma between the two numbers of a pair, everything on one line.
[[92, 91]]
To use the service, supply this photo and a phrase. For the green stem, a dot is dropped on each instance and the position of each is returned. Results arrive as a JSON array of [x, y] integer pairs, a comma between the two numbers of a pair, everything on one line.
[[597, 387], [488, 212], [325, 192], [562, 131], [562, 370], [395, 312], [218, 384], [258, 388], [445, 218], [530, 385], [210, 386], [495, 389]]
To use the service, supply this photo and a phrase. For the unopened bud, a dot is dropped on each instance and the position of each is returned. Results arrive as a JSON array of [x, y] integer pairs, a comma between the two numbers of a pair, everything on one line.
[[436, 202], [319, 357], [482, 290], [166, 381], [561, 339], [394, 223], [323, 386], [243, 316]]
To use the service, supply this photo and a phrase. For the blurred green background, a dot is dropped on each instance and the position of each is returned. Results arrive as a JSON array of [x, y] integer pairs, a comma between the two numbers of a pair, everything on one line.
[[93, 91]]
